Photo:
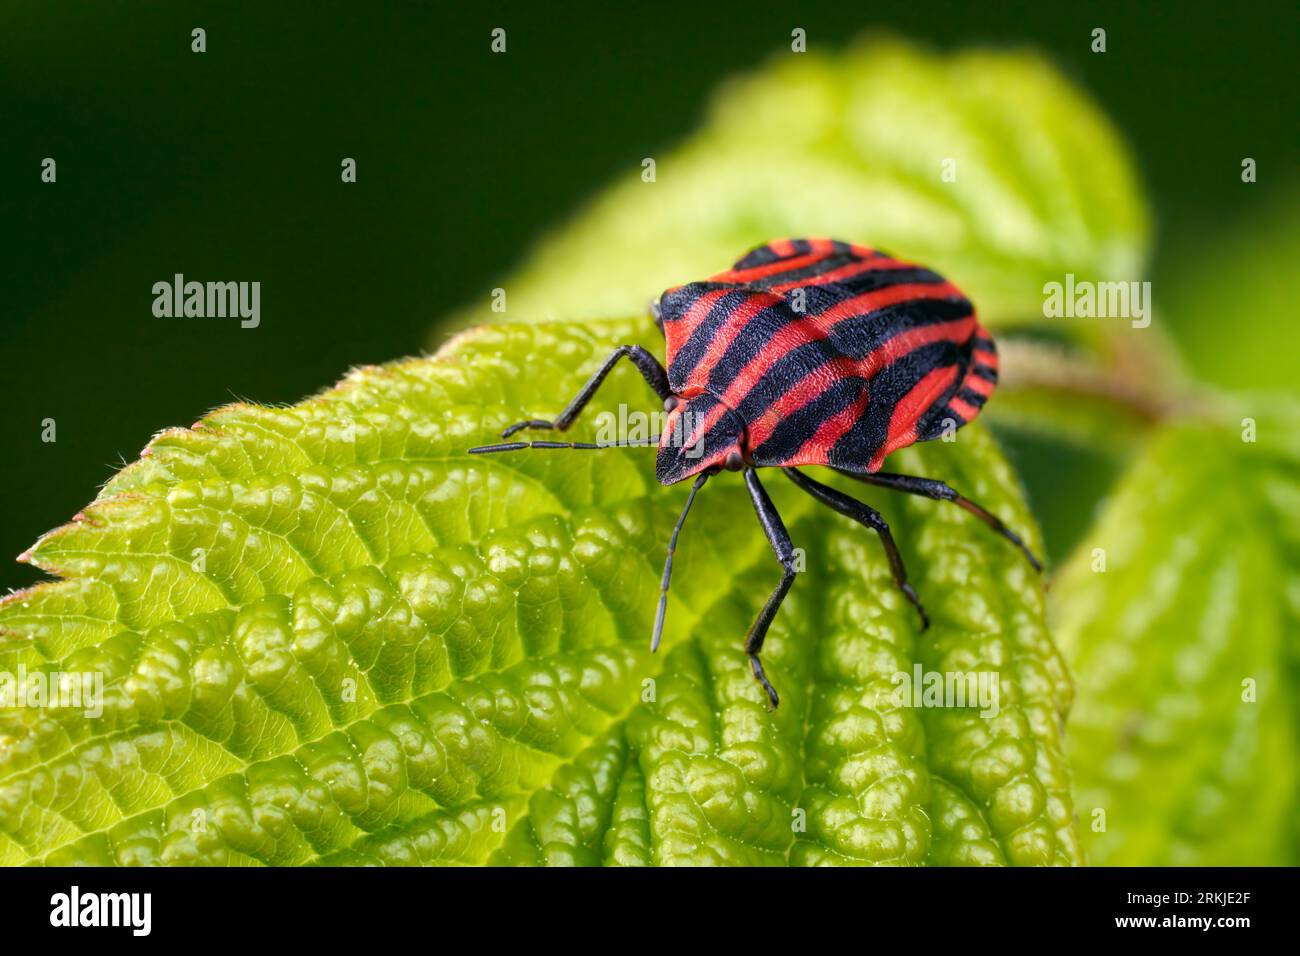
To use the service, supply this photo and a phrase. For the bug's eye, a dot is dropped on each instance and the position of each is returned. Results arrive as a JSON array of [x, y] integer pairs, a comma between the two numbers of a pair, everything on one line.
[[671, 402], [733, 461]]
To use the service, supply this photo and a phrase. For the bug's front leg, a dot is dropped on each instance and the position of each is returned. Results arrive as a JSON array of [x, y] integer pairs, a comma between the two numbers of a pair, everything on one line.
[[779, 538], [653, 372], [869, 517]]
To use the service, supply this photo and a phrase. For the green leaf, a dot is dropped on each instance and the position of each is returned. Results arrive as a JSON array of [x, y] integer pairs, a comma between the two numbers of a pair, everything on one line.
[[853, 145], [1233, 297], [328, 635], [1184, 737]]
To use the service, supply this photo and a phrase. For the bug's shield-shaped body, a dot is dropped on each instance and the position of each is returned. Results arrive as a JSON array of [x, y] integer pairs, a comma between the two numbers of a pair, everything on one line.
[[806, 352], [818, 352]]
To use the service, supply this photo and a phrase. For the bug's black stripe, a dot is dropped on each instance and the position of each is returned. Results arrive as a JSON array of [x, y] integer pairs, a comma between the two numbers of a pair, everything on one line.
[[936, 423], [803, 273], [800, 425], [985, 343], [854, 338], [784, 374], [766, 254], [882, 278], [819, 298], [868, 435], [795, 365], [689, 355], [972, 397], [861, 335], [875, 279], [986, 372], [759, 256], [675, 303]]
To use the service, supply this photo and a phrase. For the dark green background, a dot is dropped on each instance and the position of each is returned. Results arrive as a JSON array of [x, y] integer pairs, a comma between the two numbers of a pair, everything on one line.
[[225, 165]]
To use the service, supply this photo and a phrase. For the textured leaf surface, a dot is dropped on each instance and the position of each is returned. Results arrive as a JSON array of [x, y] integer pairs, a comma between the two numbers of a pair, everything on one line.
[[853, 145], [1200, 594], [330, 636]]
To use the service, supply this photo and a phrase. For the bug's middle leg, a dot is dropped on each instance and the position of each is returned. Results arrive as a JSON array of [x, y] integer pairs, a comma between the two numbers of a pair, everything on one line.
[[779, 538], [869, 517], [651, 370]]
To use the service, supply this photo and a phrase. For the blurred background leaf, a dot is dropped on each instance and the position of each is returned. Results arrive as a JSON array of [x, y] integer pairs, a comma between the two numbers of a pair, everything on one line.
[[1201, 590], [1233, 296], [854, 145], [1179, 614]]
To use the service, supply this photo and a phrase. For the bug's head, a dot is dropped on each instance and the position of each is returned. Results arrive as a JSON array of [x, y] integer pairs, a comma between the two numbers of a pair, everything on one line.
[[699, 434]]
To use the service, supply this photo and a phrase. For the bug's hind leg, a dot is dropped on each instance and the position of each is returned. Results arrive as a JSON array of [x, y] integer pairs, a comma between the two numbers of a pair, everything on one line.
[[653, 372], [869, 517], [779, 538], [931, 488]]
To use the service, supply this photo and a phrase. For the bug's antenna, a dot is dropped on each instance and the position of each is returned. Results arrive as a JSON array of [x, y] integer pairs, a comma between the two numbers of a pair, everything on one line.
[[668, 564], [520, 445]]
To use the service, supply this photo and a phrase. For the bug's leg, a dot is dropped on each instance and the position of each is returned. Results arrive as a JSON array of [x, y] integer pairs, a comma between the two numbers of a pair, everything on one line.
[[668, 564], [869, 517], [654, 374], [774, 528], [931, 488]]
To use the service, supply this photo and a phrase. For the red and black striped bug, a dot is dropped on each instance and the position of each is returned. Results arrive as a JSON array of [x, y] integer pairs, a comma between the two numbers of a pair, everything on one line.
[[806, 352]]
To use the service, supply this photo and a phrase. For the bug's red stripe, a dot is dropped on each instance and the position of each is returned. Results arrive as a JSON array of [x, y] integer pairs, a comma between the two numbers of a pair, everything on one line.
[[796, 397], [843, 272], [910, 409], [988, 358], [981, 386], [790, 336], [727, 332], [821, 248], [880, 298], [819, 379], [963, 408], [678, 332], [818, 446], [793, 335], [891, 350]]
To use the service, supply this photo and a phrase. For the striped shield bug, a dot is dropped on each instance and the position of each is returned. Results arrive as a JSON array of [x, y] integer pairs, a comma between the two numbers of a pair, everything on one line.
[[805, 352]]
